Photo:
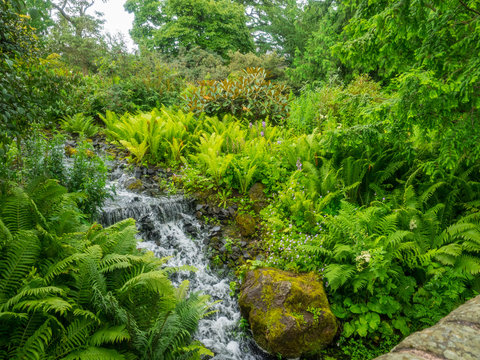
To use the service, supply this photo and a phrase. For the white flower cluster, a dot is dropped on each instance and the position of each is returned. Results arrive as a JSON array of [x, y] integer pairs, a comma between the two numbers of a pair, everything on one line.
[[362, 260], [413, 224]]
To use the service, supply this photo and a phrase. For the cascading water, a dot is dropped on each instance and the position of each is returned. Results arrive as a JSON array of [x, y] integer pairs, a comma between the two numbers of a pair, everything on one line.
[[165, 224]]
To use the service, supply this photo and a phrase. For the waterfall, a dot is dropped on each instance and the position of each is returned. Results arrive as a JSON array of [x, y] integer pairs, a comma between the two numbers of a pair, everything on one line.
[[169, 228]]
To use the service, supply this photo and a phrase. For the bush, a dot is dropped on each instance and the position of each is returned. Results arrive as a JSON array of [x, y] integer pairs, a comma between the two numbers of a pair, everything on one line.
[[249, 96], [129, 83], [335, 106], [80, 124], [87, 175]]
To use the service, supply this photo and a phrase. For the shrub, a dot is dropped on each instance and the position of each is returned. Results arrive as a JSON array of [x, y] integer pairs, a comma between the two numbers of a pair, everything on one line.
[[80, 124], [130, 84], [87, 175], [335, 106], [248, 97]]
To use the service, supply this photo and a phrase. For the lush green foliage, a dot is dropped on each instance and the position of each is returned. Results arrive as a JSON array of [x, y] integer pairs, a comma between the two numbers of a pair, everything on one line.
[[73, 291], [372, 180], [87, 176], [80, 124], [249, 96], [17, 50], [166, 25], [326, 108]]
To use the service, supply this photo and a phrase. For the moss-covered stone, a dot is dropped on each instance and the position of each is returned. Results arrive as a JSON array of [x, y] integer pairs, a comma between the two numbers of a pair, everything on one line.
[[246, 223], [275, 303], [70, 151], [135, 185]]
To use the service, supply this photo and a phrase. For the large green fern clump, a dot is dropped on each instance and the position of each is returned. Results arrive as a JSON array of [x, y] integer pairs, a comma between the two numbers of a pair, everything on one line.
[[75, 291], [397, 247]]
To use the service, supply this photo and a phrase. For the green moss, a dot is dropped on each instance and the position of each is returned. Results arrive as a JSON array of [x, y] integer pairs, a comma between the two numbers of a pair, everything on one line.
[[281, 317], [137, 184]]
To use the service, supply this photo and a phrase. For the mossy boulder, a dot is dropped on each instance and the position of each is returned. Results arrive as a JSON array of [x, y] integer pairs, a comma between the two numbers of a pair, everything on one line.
[[246, 224], [288, 313]]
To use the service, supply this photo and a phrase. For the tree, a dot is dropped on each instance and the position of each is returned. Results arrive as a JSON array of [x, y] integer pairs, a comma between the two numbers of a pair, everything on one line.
[[427, 51], [317, 62], [168, 25], [69, 30], [17, 48]]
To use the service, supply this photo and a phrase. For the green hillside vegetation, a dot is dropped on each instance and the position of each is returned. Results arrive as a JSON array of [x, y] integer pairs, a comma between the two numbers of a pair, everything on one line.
[[360, 118]]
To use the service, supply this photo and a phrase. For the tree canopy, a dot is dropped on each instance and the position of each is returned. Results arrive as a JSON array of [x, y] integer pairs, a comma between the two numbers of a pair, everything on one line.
[[167, 25]]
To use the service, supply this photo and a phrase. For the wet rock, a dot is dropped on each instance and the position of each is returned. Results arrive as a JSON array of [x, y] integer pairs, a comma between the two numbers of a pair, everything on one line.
[[151, 172], [223, 214], [134, 184], [190, 229], [275, 303], [137, 173], [146, 225], [246, 224], [456, 336], [199, 207]]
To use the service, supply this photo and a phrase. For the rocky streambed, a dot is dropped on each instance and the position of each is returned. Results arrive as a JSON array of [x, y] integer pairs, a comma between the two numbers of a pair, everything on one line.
[[169, 227]]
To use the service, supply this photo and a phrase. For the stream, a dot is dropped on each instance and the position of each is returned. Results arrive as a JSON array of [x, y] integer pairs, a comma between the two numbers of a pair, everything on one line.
[[169, 228]]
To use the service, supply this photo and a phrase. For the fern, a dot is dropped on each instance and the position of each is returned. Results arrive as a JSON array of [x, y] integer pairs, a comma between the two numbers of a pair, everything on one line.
[[109, 334], [339, 274], [35, 346], [22, 253], [95, 353]]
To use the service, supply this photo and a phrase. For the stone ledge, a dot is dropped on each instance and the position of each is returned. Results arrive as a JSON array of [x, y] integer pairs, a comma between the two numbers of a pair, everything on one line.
[[455, 337]]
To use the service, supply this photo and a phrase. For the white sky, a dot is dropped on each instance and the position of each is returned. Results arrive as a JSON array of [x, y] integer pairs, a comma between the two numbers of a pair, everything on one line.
[[117, 20]]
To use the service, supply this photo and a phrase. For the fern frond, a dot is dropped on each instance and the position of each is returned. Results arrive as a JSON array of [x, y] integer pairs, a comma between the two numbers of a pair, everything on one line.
[[22, 254], [397, 237], [109, 334], [31, 292], [155, 281], [427, 194], [63, 266], [5, 234], [50, 304], [16, 211], [468, 264], [95, 353], [75, 337], [34, 347], [339, 274], [78, 312]]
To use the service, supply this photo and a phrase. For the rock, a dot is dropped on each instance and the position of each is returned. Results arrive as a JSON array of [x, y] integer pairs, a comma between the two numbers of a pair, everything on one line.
[[275, 303], [246, 223], [138, 173], [70, 151], [134, 184], [456, 336], [257, 195]]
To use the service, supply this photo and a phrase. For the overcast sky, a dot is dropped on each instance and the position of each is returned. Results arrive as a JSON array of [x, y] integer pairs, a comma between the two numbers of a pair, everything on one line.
[[117, 20]]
